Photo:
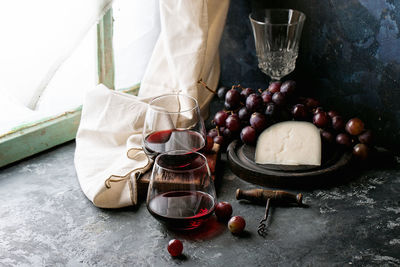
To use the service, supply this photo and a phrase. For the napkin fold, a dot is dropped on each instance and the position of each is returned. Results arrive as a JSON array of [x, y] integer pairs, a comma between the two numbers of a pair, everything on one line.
[[108, 155]]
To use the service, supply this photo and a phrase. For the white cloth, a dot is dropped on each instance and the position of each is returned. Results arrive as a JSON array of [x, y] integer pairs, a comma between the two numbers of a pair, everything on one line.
[[109, 132], [108, 156], [187, 50], [57, 28]]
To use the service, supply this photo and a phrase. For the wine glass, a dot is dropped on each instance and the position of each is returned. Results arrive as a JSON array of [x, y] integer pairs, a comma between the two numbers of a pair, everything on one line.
[[277, 35], [173, 122], [181, 192]]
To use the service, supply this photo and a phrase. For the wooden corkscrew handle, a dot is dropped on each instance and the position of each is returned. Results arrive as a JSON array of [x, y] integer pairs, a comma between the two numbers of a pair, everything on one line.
[[261, 196]]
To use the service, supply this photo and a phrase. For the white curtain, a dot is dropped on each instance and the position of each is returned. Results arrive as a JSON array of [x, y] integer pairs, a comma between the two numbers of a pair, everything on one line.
[[47, 56], [136, 29]]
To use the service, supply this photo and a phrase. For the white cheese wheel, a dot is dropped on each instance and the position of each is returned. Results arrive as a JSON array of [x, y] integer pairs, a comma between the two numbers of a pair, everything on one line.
[[289, 143]]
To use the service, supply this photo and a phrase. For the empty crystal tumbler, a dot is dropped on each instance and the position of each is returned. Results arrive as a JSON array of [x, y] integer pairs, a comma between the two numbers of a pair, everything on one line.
[[277, 33]]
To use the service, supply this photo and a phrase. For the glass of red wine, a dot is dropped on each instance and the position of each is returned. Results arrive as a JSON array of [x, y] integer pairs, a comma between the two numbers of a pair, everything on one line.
[[181, 192], [173, 122]]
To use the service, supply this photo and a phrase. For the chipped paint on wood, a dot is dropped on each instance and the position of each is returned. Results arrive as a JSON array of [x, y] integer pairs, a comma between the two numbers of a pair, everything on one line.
[[39, 136], [24, 126], [105, 57]]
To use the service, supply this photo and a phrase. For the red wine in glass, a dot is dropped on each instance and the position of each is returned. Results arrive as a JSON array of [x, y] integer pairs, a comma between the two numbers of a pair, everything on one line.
[[168, 140], [181, 191], [182, 210]]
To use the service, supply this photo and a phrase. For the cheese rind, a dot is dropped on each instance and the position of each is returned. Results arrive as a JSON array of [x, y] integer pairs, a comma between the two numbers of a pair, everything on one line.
[[289, 143]]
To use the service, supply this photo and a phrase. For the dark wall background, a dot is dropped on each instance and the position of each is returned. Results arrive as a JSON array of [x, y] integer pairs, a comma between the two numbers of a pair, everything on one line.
[[349, 58]]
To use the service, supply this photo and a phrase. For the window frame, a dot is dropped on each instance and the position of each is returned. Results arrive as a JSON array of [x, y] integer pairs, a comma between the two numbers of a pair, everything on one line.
[[31, 138]]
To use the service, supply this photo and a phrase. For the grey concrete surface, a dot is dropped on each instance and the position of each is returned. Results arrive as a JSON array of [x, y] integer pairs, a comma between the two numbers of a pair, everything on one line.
[[45, 220]]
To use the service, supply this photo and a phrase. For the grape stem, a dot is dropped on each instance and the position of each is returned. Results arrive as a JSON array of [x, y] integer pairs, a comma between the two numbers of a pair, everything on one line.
[[205, 86], [237, 86]]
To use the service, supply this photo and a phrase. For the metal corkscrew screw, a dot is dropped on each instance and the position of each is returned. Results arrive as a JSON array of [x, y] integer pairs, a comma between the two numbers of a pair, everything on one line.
[[262, 227], [263, 196]]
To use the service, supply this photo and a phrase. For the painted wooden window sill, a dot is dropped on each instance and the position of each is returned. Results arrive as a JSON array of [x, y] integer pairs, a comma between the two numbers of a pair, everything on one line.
[[33, 138]]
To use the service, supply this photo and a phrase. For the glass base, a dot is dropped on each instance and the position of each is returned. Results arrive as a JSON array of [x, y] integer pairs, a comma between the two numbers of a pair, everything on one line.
[[277, 64]]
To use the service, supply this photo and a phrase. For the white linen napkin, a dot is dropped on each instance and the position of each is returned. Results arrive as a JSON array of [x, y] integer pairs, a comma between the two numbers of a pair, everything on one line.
[[108, 155]]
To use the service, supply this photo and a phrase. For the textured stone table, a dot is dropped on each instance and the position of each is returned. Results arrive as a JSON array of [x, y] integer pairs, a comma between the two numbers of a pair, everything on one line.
[[45, 220]]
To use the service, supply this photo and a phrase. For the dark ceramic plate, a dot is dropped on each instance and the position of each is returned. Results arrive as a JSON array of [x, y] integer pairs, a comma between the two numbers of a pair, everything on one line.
[[241, 161]]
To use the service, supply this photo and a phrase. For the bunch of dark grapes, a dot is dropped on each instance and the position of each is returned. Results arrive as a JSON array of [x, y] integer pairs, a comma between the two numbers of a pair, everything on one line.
[[335, 129], [248, 112], [352, 135]]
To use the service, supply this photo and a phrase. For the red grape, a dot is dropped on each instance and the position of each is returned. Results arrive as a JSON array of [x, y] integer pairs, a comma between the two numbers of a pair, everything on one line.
[[288, 88], [175, 247], [366, 137], [279, 98], [355, 126], [258, 121], [338, 123], [344, 139], [254, 103], [321, 119], [248, 135], [274, 87], [222, 92], [271, 111], [213, 132], [227, 134], [236, 224], [333, 113], [232, 99], [219, 139], [311, 103], [361, 151], [220, 118], [227, 106], [266, 97], [318, 110], [328, 136], [233, 123], [244, 114], [223, 211], [245, 93], [299, 112]]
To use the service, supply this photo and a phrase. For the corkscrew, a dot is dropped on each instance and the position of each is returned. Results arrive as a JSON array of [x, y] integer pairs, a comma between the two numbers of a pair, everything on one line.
[[262, 196]]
